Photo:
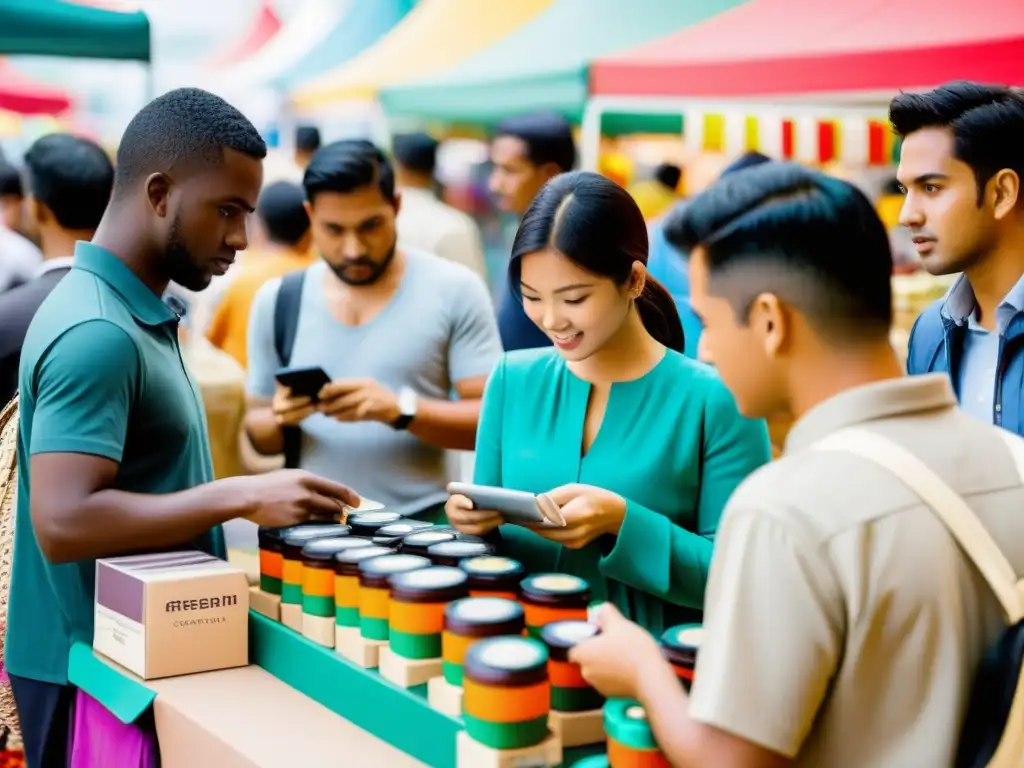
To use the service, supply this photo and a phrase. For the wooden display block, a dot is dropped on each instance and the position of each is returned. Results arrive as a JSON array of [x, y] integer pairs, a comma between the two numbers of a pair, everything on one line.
[[265, 603], [356, 648], [406, 673], [319, 629], [291, 616], [577, 729], [444, 697], [473, 754]]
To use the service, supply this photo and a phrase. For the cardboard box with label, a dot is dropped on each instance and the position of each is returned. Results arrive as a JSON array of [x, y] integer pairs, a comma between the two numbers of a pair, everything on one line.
[[171, 613]]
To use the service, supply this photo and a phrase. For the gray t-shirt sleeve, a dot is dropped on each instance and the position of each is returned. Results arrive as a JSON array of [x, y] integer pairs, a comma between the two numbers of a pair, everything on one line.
[[475, 345], [259, 343]]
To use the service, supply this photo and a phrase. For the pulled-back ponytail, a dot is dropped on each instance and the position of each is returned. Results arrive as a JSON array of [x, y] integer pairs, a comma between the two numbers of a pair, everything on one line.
[[660, 316]]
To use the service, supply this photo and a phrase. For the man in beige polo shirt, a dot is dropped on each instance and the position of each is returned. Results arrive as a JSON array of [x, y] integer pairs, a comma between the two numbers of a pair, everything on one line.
[[843, 624]]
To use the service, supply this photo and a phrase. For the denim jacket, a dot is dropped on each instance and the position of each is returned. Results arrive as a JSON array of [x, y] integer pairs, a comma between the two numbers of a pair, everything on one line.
[[937, 344]]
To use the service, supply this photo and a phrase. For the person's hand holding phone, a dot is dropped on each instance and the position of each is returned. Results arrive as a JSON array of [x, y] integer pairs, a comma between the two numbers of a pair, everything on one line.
[[288, 409], [589, 512], [465, 519], [293, 496], [359, 400]]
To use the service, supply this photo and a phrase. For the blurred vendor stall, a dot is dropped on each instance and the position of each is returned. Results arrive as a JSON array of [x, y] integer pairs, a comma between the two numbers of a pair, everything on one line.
[[768, 52]]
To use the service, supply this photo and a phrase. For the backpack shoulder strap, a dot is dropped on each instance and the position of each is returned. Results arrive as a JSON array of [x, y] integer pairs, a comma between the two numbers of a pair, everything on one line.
[[954, 512], [286, 323], [286, 314]]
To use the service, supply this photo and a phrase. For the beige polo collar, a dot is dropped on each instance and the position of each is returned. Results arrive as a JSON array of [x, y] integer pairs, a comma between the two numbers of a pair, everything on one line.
[[879, 400]]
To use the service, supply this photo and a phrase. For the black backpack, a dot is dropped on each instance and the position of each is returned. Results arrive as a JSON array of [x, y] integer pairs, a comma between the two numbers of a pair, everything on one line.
[[286, 322], [992, 735]]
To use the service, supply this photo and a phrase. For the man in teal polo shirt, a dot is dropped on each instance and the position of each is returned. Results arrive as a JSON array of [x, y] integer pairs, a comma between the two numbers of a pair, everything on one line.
[[113, 454]]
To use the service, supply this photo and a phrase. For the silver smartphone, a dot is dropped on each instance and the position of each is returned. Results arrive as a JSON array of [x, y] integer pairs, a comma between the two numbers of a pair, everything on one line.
[[515, 506]]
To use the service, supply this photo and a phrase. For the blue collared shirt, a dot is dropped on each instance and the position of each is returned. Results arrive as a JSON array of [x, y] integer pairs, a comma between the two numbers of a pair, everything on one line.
[[980, 356]]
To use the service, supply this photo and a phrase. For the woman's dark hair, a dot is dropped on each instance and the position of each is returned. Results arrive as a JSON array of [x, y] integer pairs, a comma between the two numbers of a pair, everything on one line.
[[596, 224]]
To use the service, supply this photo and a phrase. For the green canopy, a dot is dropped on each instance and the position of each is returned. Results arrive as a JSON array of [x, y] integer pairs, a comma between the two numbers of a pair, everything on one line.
[[544, 64], [54, 28]]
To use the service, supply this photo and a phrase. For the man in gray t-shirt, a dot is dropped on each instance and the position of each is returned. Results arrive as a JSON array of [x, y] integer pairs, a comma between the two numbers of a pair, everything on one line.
[[396, 330]]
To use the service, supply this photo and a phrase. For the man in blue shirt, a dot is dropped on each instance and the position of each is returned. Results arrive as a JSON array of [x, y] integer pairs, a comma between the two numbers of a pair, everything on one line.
[[113, 452], [961, 166], [526, 152]]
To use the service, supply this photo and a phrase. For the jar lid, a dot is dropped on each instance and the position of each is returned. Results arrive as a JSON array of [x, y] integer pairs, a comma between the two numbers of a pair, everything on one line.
[[459, 548], [424, 539], [433, 582], [299, 535], [272, 538], [348, 560], [553, 587], [626, 722], [378, 570], [560, 636], [684, 638], [483, 610], [506, 660], [492, 566], [403, 527], [368, 523], [327, 548]]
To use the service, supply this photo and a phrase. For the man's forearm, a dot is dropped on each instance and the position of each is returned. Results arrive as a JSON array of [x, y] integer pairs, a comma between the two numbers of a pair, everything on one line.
[[667, 707], [447, 423], [263, 430], [113, 522]]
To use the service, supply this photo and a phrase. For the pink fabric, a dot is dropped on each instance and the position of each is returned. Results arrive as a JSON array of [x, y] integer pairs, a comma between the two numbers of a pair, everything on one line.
[[100, 740]]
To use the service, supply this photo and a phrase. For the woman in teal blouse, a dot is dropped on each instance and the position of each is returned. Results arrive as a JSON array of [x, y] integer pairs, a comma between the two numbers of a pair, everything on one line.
[[639, 445]]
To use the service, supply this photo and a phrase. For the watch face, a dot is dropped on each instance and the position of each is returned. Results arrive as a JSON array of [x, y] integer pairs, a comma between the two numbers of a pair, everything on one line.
[[407, 401]]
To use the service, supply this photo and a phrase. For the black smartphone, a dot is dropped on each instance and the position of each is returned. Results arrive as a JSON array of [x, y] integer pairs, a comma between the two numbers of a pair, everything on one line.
[[303, 382]]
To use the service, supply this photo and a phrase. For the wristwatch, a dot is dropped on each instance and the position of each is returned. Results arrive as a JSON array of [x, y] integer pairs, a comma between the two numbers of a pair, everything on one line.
[[408, 401]]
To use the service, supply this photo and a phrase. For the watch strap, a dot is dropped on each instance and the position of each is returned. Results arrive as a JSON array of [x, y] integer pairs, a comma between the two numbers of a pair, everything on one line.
[[403, 421]]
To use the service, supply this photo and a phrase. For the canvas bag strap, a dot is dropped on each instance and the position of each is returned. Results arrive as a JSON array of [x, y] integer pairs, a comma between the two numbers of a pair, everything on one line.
[[959, 519]]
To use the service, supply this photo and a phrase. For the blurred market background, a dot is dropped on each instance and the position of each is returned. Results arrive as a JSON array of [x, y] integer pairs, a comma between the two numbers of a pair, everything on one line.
[[689, 83], [664, 94]]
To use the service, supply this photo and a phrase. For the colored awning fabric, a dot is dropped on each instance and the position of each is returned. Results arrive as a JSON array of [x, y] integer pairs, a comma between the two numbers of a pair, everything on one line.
[[364, 24], [10, 124], [264, 26], [20, 93], [311, 23], [435, 35], [544, 64], [54, 28], [780, 47]]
